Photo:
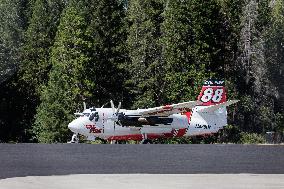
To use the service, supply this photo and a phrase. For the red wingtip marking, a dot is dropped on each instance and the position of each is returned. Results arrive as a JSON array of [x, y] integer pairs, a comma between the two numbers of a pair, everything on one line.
[[167, 107], [188, 115]]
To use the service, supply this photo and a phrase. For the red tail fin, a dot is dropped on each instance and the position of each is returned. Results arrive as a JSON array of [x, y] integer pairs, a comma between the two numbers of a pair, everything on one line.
[[213, 92]]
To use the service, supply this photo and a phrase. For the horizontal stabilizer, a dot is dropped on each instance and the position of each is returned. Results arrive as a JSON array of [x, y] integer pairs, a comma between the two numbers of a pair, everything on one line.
[[216, 107]]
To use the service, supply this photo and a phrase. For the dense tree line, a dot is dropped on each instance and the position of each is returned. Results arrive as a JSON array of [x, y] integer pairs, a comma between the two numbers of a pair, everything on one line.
[[55, 54]]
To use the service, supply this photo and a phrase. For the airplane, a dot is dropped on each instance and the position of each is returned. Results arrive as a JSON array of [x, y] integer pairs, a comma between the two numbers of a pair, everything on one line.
[[206, 115]]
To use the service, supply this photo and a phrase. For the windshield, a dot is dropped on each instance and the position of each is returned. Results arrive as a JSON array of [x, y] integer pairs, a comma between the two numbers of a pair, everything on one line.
[[86, 114], [95, 116]]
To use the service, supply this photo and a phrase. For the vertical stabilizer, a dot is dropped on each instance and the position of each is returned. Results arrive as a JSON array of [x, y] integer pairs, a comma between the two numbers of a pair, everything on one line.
[[213, 92], [211, 115]]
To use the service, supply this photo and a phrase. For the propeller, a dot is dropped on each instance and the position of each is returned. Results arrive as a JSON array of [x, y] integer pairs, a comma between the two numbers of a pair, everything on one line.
[[115, 113]]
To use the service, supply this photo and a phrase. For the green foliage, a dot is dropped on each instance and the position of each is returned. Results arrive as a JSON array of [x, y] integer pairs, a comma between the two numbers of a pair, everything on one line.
[[184, 70], [257, 86], [15, 114], [39, 39], [13, 22], [143, 53], [251, 138], [279, 122], [106, 69], [207, 139], [275, 54], [62, 93], [146, 67], [175, 140], [86, 60], [230, 134], [190, 47]]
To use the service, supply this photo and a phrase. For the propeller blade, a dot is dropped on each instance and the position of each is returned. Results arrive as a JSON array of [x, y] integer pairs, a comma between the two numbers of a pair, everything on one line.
[[119, 123], [84, 105], [112, 106], [118, 108], [78, 114], [104, 105]]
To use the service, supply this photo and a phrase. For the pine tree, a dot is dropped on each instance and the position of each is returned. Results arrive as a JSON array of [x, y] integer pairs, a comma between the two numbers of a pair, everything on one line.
[[195, 40], [86, 65], [107, 33], [13, 22], [254, 84], [275, 61], [39, 39], [62, 94], [15, 115], [146, 68], [231, 28], [210, 36], [184, 71]]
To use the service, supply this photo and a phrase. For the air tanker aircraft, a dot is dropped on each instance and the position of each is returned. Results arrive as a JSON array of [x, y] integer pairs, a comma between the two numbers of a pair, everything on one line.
[[207, 115]]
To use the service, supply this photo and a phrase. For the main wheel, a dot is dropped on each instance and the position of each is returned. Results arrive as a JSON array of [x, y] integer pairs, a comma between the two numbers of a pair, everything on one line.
[[147, 141]]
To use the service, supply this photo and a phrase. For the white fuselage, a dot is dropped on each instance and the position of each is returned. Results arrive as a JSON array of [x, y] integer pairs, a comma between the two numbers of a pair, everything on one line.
[[176, 125]]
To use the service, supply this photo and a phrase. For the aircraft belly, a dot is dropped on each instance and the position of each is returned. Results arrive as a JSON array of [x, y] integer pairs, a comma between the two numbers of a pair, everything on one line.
[[155, 130], [130, 133]]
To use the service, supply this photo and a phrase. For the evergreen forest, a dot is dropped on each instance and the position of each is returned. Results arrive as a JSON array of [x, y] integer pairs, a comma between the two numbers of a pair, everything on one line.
[[56, 54]]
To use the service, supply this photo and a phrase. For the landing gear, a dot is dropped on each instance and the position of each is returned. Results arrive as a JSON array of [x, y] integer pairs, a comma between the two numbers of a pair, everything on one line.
[[74, 139], [113, 142], [146, 141], [118, 142]]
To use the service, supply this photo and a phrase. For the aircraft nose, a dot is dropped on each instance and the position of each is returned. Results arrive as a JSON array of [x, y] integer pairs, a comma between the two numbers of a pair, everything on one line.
[[75, 125]]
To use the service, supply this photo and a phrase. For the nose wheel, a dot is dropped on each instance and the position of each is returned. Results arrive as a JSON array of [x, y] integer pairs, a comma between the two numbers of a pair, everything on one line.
[[145, 139], [74, 139]]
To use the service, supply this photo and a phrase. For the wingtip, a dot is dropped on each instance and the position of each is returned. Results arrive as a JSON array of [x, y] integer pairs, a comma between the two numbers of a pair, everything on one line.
[[234, 101]]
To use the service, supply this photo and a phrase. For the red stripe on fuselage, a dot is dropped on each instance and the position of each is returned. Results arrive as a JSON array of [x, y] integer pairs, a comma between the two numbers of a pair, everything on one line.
[[135, 137], [126, 137], [181, 132], [188, 115]]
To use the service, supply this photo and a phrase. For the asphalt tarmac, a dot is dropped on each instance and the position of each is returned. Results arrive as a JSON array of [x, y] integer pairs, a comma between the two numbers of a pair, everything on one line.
[[18, 160]]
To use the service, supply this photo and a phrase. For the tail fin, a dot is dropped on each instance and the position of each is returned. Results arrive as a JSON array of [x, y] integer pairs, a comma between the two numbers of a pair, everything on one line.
[[212, 92], [211, 115]]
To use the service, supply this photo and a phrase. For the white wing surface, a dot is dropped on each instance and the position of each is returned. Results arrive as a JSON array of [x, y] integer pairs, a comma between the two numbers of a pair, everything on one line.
[[169, 109], [216, 107]]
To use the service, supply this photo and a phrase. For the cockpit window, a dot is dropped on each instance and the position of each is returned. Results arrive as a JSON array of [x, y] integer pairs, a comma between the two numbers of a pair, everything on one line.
[[95, 116], [86, 114], [93, 109]]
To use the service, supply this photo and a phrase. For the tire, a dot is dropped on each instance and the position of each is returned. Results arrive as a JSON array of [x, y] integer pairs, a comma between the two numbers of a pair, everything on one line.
[[147, 141]]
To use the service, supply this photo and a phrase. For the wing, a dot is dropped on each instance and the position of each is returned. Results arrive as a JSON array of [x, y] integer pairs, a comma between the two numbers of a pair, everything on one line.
[[169, 109], [216, 107]]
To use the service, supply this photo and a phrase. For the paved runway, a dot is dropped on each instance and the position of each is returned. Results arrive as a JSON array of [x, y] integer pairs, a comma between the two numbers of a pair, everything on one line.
[[19, 160]]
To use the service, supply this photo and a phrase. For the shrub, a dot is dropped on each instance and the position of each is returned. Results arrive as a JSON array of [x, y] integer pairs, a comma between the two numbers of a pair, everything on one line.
[[230, 134], [251, 138]]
